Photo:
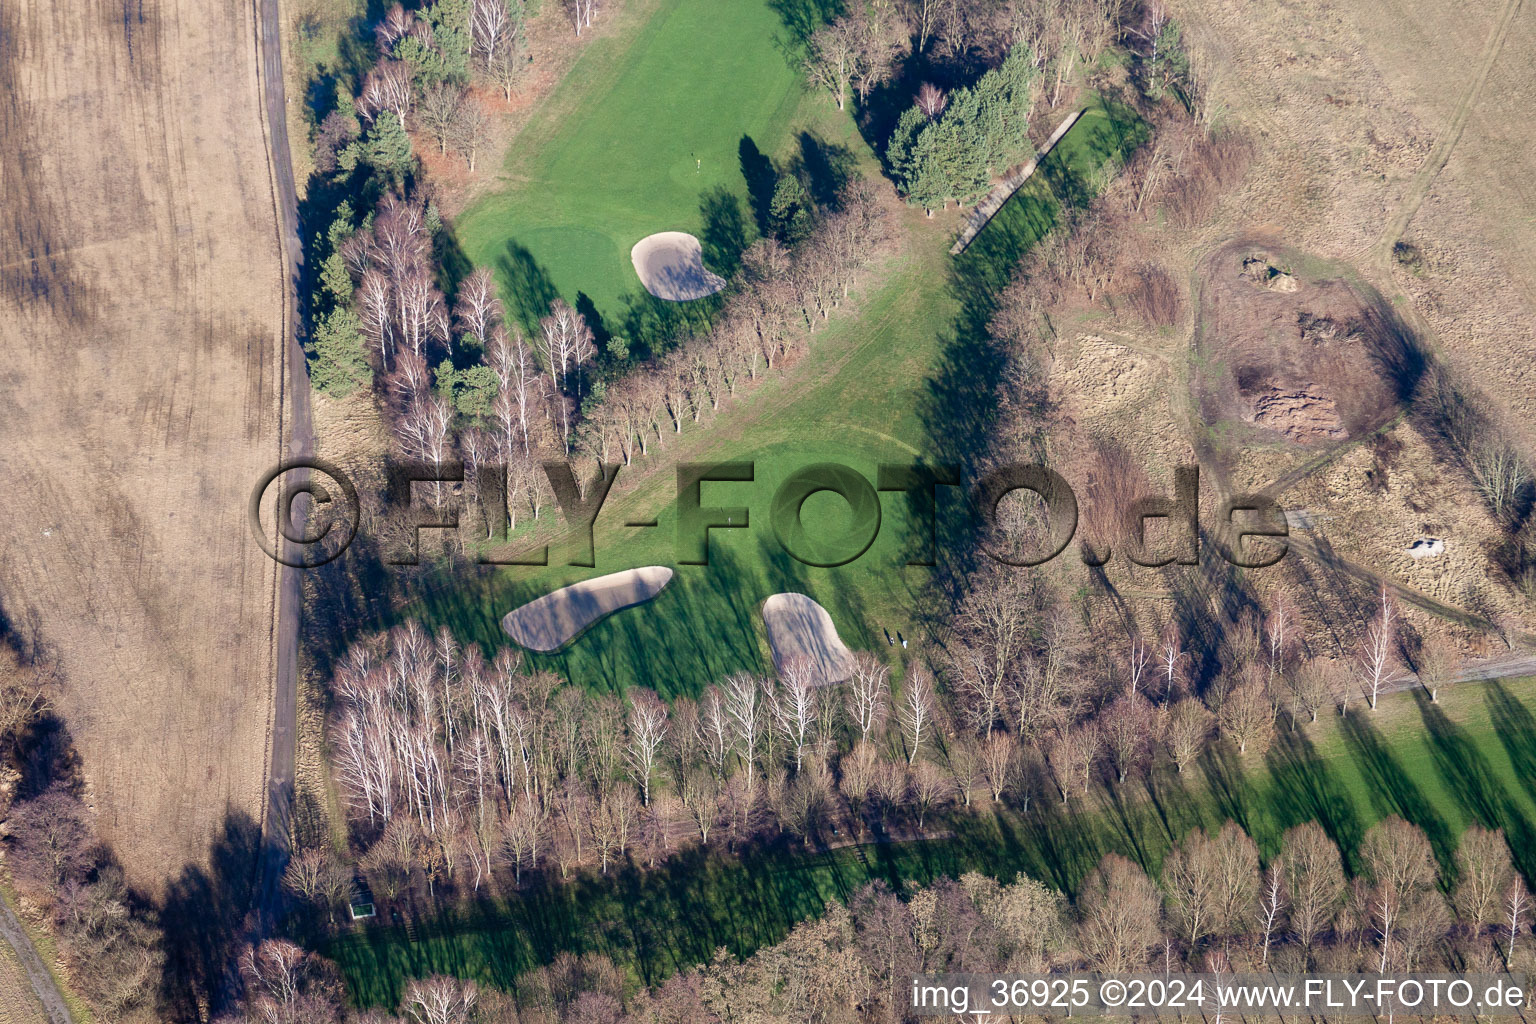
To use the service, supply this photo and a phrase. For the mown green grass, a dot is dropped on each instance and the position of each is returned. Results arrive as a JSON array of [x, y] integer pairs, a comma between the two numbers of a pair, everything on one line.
[[1443, 767], [642, 130], [897, 382]]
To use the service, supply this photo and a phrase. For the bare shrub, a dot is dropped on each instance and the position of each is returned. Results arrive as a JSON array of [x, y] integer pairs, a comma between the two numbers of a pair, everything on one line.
[[1209, 166], [1155, 296], [1115, 482], [51, 841], [1501, 476]]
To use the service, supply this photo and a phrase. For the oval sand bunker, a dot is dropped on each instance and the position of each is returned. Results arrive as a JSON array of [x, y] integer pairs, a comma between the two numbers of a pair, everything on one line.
[[671, 266], [799, 628], [554, 620]]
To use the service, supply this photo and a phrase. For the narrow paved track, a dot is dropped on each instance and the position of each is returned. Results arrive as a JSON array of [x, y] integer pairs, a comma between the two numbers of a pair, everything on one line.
[[299, 442]]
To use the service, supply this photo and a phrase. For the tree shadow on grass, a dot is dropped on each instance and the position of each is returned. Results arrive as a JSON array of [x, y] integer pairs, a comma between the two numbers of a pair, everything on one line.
[[758, 172], [959, 406], [803, 17], [1463, 765], [1516, 728], [1228, 784], [203, 918], [453, 265], [1393, 790], [526, 286], [655, 326], [726, 234], [1303, 789], [825, 167], [600, 333]]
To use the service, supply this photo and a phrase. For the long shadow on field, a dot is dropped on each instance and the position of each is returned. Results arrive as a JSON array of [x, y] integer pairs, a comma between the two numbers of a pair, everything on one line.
[[760, 177], [1477, 783], [959, 406], [803, 17], [202, 916], [825, 167], [453, 266], [600, 333], [653, 326], [1228, 784], [669, 918], [1393, 790], [525, 285], [726, 234], [1303, 789], [1516, 729]]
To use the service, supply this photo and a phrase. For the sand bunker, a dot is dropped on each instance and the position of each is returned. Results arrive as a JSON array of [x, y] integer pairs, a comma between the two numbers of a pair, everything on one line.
[[554, 620], [799, 628], [671, 266]]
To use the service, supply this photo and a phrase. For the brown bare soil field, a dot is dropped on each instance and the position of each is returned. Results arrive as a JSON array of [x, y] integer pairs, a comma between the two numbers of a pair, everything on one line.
[[142, 318]]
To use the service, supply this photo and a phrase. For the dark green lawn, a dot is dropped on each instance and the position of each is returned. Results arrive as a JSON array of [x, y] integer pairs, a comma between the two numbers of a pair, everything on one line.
[[902, 380], [646, 134], [1442, 767]]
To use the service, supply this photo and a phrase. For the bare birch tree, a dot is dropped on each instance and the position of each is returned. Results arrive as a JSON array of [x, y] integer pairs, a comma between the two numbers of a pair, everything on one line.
[[647, 730], [1377, 656], [917, 710], [868, 694]]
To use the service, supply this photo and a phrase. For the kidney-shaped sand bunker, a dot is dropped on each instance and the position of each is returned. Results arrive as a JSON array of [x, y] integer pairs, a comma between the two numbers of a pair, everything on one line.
[[671, 266], [554, 620]]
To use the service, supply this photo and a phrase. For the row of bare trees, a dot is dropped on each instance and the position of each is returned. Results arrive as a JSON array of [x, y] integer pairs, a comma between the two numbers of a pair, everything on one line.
[[779, 300], [1214, 905], [538, 404], [446, 760], [1023, 663]]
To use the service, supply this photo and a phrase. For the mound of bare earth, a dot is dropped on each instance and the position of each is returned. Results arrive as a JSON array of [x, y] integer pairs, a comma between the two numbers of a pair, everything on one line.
[[1288, 353]]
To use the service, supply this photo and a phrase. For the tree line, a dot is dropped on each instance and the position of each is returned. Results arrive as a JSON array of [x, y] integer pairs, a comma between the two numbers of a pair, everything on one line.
[[1213, 905], [455, 769]]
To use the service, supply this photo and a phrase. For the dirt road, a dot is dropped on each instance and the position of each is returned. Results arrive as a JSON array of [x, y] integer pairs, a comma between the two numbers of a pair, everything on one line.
[[300, 439], [38, 976]]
